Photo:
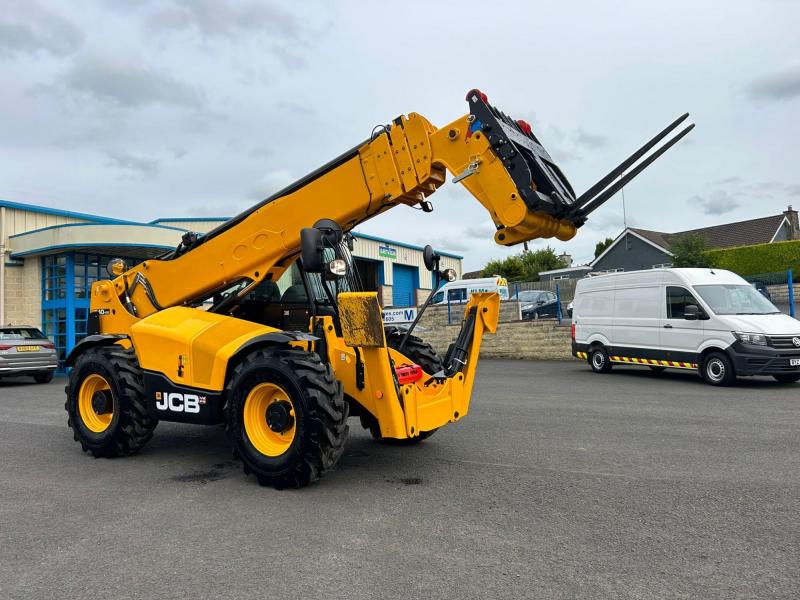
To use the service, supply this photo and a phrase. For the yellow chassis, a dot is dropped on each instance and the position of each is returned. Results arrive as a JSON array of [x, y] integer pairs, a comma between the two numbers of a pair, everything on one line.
[[193, 348]]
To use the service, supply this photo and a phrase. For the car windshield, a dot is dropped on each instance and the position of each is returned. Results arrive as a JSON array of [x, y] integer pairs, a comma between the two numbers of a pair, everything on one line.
[[735, 299], [20, 333], [528, 296]]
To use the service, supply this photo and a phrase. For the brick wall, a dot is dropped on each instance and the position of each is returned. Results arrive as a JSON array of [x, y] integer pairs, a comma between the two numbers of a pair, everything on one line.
[[515, 339], [23, 294]]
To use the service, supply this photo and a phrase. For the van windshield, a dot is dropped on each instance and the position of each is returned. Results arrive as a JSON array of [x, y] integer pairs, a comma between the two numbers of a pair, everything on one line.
[[735, 299]]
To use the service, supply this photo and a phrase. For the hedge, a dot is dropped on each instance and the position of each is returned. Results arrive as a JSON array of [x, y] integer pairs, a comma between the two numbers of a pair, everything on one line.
[[762, 258]]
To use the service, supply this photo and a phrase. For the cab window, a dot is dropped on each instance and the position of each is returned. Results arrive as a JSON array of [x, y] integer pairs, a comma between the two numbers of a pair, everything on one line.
[[457, 295], [677, 299], [438, 297]]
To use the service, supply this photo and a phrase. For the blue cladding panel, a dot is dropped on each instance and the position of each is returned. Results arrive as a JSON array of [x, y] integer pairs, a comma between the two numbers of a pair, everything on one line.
[[405, 281]]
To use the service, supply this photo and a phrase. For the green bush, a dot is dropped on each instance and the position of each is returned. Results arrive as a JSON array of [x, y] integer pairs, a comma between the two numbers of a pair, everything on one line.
[[762, 258]]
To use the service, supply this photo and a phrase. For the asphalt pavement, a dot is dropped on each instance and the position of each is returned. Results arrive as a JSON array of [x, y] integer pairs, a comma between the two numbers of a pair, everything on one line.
[[560, 483]]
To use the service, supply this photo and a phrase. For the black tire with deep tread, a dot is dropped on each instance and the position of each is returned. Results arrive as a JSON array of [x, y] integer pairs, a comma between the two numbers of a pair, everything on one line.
[[317, 395], [131, 426], [43, 377], [419, 351]]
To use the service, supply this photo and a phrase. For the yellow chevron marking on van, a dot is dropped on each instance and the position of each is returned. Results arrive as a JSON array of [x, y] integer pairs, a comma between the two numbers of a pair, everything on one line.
[[583, 355], [650, 361]]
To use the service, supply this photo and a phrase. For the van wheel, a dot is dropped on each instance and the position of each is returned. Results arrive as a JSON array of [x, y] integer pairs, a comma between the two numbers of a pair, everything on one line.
[[717, 369], [598, 359], [787, 377], [658, 369]]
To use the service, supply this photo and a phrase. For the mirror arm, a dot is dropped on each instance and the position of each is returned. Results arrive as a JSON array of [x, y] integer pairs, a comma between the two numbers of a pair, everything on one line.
[[436, 281]]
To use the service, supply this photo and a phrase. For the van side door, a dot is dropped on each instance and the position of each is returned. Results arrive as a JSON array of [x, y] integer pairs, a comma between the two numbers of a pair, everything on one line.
[[637, 320], [680, 338]]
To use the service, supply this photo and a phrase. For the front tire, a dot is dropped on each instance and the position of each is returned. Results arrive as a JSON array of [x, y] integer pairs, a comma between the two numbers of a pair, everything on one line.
[[286, 416], [787, 377], [599, 361], [106, 405], [717, 369]]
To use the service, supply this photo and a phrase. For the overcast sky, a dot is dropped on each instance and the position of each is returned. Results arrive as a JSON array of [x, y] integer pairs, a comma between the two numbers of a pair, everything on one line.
[[140, 110]]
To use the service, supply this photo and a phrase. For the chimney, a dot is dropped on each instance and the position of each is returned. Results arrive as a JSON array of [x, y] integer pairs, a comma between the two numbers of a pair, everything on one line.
[[567, 259], [794, 225]]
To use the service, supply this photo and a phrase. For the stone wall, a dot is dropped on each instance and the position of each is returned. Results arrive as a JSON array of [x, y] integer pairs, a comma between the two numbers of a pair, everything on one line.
[[515, 339], [23, 293]]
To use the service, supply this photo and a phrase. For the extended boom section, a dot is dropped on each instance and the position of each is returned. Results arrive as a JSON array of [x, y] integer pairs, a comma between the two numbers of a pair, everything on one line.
[[261, 324]]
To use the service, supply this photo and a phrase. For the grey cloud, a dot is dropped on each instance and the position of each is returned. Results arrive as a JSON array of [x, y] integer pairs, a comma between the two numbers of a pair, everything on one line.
[[128, 83], [222, 19], [726, 181], [270, 183], [589, 140], [718, 202], [782, 85], [483, 231], [28, 28], [143, 165]]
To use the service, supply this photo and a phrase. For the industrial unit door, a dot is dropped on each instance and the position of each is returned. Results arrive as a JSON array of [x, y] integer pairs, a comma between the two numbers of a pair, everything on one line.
[[405, 280]]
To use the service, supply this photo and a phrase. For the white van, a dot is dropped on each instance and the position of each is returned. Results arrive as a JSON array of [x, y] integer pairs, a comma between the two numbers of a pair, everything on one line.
[[459, 291], [701, 319]]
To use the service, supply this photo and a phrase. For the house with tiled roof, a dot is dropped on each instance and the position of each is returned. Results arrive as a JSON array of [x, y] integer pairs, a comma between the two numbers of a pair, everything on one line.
[[635, 248]]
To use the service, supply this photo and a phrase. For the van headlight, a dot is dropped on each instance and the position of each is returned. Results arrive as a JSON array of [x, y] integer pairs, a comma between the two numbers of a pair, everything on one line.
[[752, 339]]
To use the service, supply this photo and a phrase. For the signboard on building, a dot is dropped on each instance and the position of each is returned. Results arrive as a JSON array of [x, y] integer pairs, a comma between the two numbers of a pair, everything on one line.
[[387, 252], [399, 315]]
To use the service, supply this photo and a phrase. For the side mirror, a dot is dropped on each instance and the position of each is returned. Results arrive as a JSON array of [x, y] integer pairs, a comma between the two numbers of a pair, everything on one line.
[[311, 249], [430, 258], [692, 312]]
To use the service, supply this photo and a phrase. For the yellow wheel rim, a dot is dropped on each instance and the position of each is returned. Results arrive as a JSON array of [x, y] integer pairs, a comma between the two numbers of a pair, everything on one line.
[[265, 439], [94, 421]]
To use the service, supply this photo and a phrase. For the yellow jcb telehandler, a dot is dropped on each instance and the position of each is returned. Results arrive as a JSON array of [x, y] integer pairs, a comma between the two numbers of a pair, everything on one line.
[[261, 323]]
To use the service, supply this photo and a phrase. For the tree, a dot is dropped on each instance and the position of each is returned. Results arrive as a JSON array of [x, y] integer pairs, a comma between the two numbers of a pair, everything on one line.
[[510, 268], [690, 251], [601, 246], [525, 266]]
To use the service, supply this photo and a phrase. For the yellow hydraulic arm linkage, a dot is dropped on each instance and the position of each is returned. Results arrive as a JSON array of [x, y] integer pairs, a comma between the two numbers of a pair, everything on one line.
[[155, 354]]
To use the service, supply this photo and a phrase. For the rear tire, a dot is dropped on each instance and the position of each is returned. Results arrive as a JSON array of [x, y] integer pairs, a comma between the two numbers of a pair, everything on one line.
[[599, 361], [43, 377], [128, 426], [421, 353], [717, 369], [787, 377], [300, 452]]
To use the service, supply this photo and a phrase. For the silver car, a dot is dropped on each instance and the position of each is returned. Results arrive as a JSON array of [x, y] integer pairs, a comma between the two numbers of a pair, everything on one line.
[[25, 350]]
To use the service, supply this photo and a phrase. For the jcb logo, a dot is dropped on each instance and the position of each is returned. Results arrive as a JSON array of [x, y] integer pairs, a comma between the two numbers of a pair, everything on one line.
[[175, 402]]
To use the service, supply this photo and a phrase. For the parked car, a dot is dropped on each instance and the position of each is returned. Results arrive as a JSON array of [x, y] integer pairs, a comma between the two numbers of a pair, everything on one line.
[[711, 321], [762, 289], [25, 350], [537, 304], [459, 291]]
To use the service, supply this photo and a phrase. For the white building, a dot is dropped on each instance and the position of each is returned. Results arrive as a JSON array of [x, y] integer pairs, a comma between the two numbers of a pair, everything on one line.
[[49, 258]]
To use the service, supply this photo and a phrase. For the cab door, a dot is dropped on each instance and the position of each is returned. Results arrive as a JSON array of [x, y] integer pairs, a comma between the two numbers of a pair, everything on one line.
[[680, 339]]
